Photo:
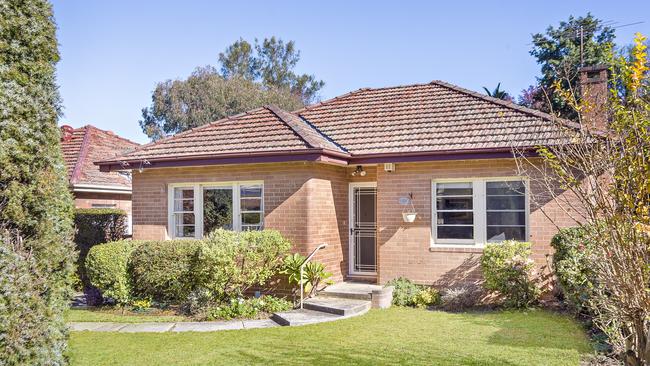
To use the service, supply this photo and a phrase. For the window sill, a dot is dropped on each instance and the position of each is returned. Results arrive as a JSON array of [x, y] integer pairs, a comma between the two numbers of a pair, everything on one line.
[[440, 248]]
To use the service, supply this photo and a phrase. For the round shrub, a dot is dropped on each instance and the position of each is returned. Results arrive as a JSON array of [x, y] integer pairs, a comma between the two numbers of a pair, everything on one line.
[[163, 270], [407, 293], [571, 266], [461, 298], [107, 268], [508, 270], [426, 297]]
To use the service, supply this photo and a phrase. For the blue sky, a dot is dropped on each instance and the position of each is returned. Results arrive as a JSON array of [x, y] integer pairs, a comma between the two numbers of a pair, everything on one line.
[[114, 52]]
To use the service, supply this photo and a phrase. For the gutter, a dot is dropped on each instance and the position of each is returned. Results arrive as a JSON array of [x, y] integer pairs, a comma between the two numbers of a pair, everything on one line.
[[97, 188]]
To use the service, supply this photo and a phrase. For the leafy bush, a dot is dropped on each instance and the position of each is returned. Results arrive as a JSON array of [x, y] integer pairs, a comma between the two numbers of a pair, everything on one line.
[[407, 293], [461, 298], [228, 264], [95, 226], [141, 305], [107, 268], [313, 273], [426, 297], [571, 266], [508, 270], [164, 270], [248, 307]]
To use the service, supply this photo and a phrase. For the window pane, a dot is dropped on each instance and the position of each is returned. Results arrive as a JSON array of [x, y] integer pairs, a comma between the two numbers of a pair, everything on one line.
[[250, 191], [183, 205], [455, 218], [254, 218], [188, 231], [251, 204], [506, 203], [508, 187], [455, 232], [184, 218], [252, 227], [217, 209], [506, 218], [185, 192], [454, 203], [498, 233], [454, 189]]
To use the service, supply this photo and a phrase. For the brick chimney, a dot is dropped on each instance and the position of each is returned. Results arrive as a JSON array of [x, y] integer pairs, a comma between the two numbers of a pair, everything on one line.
[[594, 92], [66, 133]]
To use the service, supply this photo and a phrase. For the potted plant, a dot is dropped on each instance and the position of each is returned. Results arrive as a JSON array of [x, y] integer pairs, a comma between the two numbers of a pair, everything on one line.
[[409, 215]]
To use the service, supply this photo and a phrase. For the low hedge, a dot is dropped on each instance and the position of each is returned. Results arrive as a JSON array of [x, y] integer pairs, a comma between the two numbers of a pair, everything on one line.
[[225, 264]]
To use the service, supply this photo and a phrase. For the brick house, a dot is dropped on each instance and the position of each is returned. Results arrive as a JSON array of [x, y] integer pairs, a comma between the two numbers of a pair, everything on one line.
[[343, 172], [91, 187]]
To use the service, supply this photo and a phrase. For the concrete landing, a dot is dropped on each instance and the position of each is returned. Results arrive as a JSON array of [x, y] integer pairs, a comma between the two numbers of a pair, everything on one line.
[[337, 305], [303, 317], [351, 290]]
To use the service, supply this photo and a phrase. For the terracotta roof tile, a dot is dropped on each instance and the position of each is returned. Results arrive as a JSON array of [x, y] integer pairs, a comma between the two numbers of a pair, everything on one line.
[[424, 117]]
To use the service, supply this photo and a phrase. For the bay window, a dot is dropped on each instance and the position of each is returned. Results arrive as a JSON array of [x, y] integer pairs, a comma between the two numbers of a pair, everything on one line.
[[475, 211], [198, 209]]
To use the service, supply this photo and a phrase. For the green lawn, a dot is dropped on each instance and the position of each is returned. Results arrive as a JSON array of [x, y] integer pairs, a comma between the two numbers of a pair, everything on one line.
[[111, 315], [393, 336]]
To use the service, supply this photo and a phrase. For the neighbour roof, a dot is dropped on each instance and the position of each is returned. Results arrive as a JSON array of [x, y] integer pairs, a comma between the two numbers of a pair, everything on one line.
[[435, 117], [85, 145]]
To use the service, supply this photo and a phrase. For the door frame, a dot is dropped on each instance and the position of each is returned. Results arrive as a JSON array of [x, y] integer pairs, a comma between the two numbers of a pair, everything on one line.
[[351, 243]]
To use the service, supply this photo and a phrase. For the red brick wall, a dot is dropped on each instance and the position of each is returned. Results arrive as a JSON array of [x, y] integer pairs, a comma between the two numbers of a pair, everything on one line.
[[306, 202], [87, 199], [405, 248]]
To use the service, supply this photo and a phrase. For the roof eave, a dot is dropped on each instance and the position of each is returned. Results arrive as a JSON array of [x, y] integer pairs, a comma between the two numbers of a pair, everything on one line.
[[421, 156]]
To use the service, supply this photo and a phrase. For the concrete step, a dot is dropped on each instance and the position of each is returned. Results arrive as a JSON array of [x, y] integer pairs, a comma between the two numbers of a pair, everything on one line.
[[302, 317], [350, 290], [337, 306]]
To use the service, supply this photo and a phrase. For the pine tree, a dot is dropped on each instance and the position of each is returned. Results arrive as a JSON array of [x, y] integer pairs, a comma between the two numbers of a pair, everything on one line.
[[35, 204]]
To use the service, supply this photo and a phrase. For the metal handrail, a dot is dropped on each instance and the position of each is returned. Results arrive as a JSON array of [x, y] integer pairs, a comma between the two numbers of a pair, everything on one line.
[[302, 291]]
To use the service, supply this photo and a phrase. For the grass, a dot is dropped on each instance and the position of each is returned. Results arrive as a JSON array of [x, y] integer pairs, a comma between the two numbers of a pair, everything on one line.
[[381, 337], [116, 315]]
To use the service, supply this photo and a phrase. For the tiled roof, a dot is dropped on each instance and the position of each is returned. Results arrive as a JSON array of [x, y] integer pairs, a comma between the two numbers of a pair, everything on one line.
[[87, 144], [433, 117]]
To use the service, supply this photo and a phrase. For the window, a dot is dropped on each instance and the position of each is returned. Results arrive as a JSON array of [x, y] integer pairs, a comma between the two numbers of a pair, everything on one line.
[[198, 209], [473, 212], [103, 205]]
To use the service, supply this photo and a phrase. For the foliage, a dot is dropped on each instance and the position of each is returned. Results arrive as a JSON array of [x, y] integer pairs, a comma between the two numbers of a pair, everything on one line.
[[313, 274], [571, 266], [558, 52], [608, 178], [95, 226], [508, 270], [163, 270], [461, 298], [251, 76], [407, 293], [35, 204], [228, 263], [211, 97], [498, 93], [141, 305], [248, 307], [107, 266], [426, 297]]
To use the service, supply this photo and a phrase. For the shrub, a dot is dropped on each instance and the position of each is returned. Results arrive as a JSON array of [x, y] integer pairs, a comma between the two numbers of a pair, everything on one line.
[[426, 297], [461, 298], [228, 264], [164, 270], [508, 270], [107, 268], [248, 307], [141, 305], [95, 226], [571, 266], [313, 273], [404, 291]]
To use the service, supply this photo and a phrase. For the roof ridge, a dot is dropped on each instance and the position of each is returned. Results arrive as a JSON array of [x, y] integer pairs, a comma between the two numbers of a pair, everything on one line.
[[311, 106], [506, 104], [287, 117], [183, 133], [112, 133]]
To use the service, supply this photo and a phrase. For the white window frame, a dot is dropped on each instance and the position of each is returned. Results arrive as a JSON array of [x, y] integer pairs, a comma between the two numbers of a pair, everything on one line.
[[479, 198], [198, 205]]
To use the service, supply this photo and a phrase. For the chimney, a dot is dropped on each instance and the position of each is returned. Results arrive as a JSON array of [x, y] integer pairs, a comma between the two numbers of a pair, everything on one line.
[[66, 133], [594, 92]]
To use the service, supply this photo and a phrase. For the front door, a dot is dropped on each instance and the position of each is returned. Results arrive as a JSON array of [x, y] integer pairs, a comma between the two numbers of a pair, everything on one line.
[[363, 228]]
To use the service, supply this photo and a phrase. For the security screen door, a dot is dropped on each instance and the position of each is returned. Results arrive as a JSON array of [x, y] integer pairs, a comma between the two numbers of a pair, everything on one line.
[[363, 228]]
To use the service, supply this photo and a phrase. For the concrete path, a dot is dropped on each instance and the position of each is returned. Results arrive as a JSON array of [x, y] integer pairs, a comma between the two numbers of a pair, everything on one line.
[[170, 326]]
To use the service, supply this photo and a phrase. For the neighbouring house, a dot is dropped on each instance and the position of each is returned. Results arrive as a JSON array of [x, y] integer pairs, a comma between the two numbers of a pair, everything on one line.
[[91, 187], [344, 171]]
